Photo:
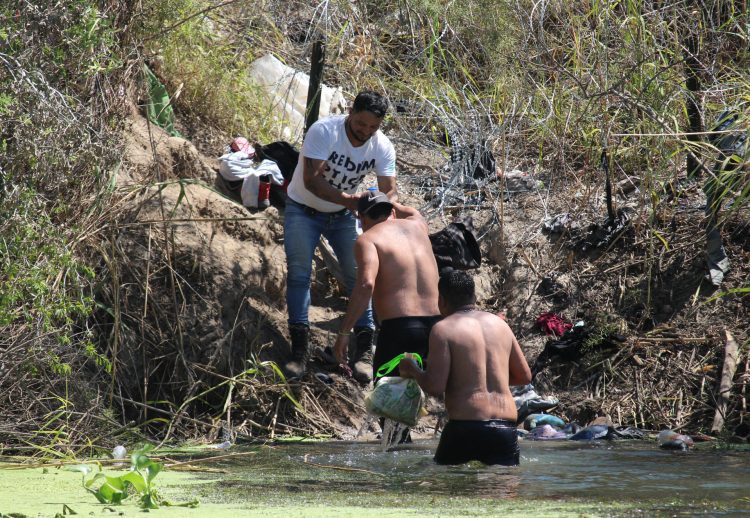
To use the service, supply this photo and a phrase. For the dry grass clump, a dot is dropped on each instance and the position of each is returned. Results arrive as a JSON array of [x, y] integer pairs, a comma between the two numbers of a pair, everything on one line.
[[665, 378], [57, 160]]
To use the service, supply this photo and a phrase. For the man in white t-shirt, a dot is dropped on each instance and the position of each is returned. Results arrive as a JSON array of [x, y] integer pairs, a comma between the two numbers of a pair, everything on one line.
[[336, 155]]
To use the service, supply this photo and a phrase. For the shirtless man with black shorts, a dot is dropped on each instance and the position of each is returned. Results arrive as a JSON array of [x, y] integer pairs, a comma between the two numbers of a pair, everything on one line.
[[474, 358], [397, 269]]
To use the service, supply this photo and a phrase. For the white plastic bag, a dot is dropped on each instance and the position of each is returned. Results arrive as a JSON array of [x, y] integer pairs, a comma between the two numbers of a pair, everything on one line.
[[396, 398], [287, 90]]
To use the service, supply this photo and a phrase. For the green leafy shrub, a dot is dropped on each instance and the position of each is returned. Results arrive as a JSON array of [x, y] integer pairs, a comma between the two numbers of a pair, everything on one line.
[[113, 489], [207, 66]]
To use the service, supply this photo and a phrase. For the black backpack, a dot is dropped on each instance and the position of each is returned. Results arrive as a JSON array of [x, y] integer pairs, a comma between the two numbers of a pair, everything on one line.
[[284, 154]]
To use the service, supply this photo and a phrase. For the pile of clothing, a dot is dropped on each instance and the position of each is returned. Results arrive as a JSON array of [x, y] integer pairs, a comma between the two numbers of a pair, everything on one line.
[[244, 180], [529, 402]]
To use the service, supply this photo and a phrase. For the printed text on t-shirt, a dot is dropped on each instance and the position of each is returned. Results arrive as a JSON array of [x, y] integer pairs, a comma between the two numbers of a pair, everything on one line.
[[345, 172]]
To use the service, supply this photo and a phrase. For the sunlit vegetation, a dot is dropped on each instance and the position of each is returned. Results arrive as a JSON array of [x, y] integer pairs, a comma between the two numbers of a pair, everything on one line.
[[592, 93]]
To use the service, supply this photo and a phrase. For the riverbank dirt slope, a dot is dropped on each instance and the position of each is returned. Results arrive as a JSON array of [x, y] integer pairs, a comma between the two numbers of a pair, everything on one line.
[[204, 289]]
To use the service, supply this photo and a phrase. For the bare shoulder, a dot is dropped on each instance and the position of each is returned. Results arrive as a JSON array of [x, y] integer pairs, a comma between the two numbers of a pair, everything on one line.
[[492, 317], [365, 239], [417, 222], [444, 325]]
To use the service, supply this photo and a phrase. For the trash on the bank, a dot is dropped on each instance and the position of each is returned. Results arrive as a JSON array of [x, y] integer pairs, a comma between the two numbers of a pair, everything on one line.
[[119, 452], [559, 223], [324, 378], [517, 181], [528, 401], [671, 440], [221, 446], [597, 431], [629, 432], [546, 432], [535, 420], [552, 324], [602, 235], [286, 90]]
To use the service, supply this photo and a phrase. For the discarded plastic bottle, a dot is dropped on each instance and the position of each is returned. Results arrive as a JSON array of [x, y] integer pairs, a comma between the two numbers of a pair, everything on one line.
[[119, 452]]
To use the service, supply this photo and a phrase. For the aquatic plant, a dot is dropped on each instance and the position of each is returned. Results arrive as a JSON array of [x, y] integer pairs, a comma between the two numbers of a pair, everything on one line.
[[112, 489]]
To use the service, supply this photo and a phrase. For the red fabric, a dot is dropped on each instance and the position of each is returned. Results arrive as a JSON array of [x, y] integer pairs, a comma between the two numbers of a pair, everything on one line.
[[552, 324], [264, 190]]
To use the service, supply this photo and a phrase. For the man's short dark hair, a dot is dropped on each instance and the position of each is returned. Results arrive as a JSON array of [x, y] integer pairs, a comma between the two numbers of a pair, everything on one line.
[[379, 211], [457, 288], [370, 101]]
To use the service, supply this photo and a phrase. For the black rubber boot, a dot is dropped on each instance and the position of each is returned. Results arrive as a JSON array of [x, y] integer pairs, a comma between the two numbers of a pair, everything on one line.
[[360, 360], [297, 365]]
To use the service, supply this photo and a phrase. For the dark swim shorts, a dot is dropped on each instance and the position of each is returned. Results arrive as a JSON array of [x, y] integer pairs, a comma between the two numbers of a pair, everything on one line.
[[491, 442], [402, 335]]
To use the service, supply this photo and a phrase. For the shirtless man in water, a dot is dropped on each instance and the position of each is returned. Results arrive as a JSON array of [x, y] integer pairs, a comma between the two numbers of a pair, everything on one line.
[[397, 269], [474, 358]]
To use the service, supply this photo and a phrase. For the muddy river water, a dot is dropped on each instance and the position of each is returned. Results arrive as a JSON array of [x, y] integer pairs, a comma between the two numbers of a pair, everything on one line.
[[604, 478], [623, 478]]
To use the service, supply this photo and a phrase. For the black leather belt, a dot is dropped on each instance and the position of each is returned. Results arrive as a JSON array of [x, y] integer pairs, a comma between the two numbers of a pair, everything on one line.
[[314, 212]]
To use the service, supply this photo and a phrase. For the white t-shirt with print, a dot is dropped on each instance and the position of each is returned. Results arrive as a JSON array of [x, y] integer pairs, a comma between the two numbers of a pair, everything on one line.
[[347, 165]]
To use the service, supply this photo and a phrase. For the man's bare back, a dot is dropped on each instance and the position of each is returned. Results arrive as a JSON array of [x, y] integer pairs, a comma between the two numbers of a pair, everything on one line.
[[406, 282], [396, 268], [474, 358], [483, 359]]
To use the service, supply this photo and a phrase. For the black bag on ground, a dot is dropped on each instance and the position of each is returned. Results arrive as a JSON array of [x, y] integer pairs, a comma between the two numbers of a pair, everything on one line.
[[284, 154], [455, 247], [286, 157]]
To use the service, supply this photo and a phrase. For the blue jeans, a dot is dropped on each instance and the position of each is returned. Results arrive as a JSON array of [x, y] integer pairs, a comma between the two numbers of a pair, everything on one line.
[[302, 232]]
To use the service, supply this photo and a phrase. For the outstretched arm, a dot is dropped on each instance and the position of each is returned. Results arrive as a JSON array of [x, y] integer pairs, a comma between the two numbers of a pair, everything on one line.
[[387, 185], [315, 182], [368, 264], [434, 380]]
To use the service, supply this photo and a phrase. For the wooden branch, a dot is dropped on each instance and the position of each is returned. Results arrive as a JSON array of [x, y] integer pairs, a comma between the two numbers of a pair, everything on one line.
[[727, 374], [669, 340]]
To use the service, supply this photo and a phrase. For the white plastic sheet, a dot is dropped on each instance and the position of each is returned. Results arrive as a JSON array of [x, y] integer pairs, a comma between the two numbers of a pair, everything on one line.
[[287, 94]]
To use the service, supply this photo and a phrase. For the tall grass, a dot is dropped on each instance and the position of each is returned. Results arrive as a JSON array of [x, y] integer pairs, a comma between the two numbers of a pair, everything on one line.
[[58, 154], [546, 84], [204, 53]]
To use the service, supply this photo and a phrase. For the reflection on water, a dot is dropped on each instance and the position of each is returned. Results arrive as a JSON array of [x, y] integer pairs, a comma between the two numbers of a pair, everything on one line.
[[636, 469], [623, 471]]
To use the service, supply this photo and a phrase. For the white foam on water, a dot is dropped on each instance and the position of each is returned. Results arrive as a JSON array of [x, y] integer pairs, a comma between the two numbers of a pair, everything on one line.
[[365, 425], [392, 431]]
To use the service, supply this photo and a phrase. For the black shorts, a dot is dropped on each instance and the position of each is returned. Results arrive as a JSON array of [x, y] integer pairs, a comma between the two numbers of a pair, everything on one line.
[[402, 335], [491, 442]]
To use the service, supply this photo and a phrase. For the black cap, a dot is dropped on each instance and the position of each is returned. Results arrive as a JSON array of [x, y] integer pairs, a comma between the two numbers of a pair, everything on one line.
[[370, 199]]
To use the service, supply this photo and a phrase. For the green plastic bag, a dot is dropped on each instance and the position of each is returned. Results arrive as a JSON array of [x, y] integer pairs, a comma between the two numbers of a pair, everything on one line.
[[159, 107], [394, 397]]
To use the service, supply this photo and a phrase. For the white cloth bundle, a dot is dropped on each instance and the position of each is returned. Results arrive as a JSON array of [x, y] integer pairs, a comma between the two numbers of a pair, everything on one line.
[[238, 165]]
